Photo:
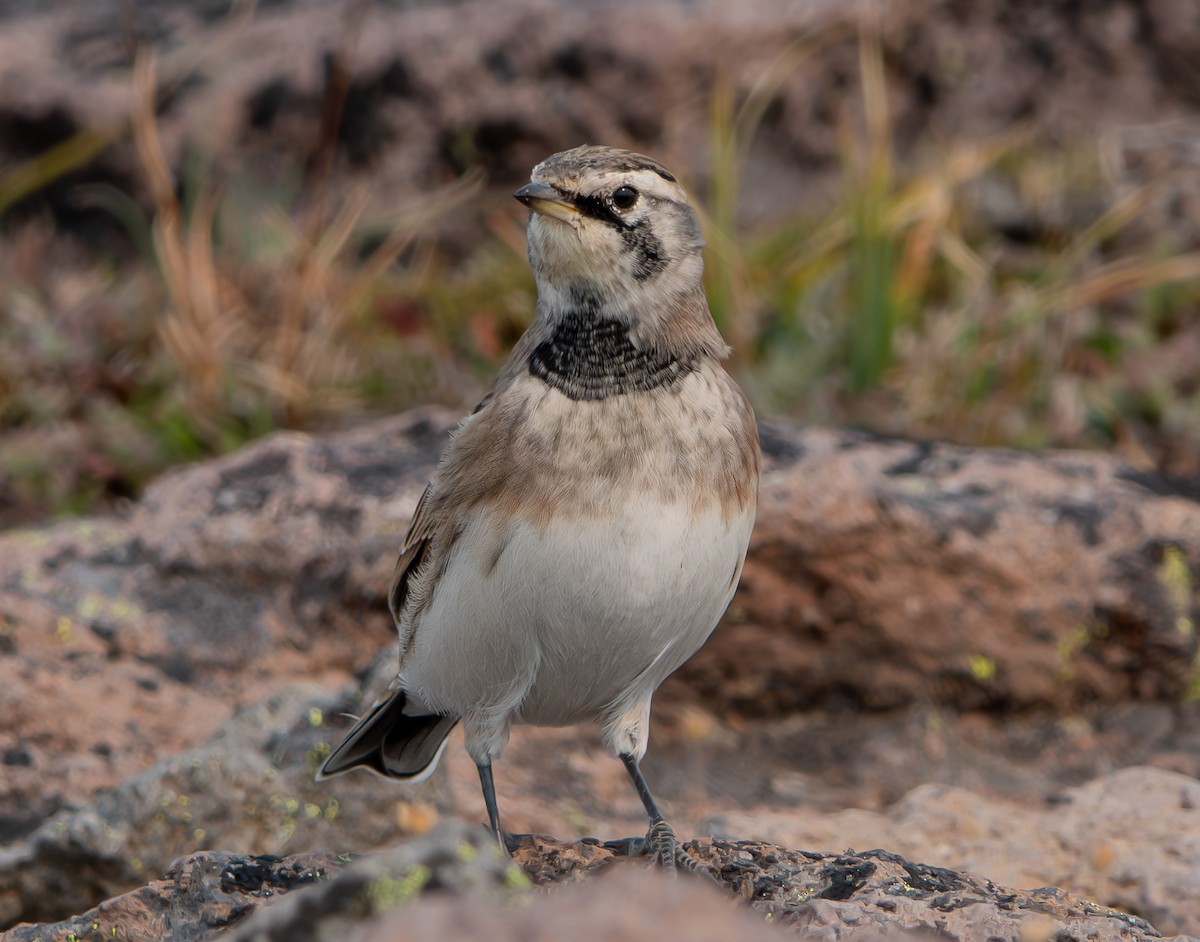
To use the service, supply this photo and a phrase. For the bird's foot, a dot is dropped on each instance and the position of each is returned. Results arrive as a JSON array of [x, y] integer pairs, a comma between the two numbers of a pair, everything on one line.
[[662, 847]]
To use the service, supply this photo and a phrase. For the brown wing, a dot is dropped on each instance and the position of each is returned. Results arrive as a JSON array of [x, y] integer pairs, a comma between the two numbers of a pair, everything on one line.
[[412, 554], [456, 486]]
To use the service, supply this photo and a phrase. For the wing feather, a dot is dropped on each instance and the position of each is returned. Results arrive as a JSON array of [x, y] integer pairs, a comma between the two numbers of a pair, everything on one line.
[[455, 487], [412, 554]]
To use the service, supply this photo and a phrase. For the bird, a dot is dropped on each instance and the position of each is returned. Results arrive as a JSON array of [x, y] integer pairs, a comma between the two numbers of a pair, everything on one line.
[[587, 525]]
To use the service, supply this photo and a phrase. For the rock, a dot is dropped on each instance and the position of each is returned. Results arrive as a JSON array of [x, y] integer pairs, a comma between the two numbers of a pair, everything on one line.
[[200, 894], [123, 640], [1129, 840], [1054, 604], [627, 903], [1056, 579], [229, 793], [250, 789], [449, 886]]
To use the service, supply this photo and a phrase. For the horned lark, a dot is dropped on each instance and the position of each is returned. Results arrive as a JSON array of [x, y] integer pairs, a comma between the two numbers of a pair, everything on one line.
[[587, 524]]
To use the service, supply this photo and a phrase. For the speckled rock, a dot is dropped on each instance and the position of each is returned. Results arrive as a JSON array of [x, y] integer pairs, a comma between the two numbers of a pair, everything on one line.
[[887, 572], [126, 639], [401, 894], [1129, 840], [1048, 583], [1056, 580]]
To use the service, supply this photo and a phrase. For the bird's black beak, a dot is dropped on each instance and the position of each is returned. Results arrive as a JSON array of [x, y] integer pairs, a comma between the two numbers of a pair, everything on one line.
[[547, 200]]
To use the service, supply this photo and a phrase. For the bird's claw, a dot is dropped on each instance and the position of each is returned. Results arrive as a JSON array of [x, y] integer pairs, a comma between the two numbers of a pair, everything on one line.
[[514, 842], [627, 846], [662, 847]]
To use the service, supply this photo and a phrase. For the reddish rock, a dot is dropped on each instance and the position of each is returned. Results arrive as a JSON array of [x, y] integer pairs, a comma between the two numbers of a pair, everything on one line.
[[882, 574], [402, 894], [886, 572], [930, 579], [1129, 840], [123, 640]]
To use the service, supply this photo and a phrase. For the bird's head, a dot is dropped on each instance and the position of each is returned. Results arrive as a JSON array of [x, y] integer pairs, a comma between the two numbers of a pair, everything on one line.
[[611, 229]]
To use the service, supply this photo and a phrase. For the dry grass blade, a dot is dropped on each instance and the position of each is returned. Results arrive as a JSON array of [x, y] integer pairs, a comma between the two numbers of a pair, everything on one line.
[[408, 223], [965, 260], [198, 329], [265, 336], [1123, 277], [731, 131], [52, 164], [1116, 217], [309, 314], [876, 112], [158, 176]]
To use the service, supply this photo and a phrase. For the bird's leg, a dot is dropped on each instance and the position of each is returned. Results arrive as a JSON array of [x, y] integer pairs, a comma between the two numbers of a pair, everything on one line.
[[489, 801], [510, 842], [660, 842], [660, 839]]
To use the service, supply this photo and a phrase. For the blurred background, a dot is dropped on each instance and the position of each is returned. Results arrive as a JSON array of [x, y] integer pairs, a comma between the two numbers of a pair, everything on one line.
[[966, 221], [973, 221]]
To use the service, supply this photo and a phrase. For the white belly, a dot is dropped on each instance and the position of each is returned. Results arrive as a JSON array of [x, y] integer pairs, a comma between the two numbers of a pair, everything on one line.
[[575, 617]]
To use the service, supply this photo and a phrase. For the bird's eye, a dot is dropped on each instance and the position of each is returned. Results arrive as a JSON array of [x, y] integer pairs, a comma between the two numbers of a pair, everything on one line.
[[624, 197]]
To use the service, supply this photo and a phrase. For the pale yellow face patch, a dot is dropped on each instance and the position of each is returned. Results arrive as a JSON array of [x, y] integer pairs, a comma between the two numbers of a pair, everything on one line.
[[545, 200], [555, 209]]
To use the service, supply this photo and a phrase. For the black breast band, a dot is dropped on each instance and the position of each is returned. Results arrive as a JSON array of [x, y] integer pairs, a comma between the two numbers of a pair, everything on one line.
[[589, 357]]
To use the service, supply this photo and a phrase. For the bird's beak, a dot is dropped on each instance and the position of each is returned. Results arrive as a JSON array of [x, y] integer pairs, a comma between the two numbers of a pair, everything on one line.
[[545, 199]]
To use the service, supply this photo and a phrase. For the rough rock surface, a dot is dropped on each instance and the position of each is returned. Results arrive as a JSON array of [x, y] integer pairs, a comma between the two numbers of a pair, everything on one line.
[[395, 895], [1131, 839], [254, 583], [1057, 580]]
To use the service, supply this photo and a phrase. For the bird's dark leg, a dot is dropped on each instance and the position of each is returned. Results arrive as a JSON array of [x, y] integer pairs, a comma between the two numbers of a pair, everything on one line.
[[643, 790], [660, 842], [489, 801], [510, 842]]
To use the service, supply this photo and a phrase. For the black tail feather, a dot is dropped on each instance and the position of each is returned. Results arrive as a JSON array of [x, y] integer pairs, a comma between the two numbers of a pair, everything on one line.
[[392, 743]]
